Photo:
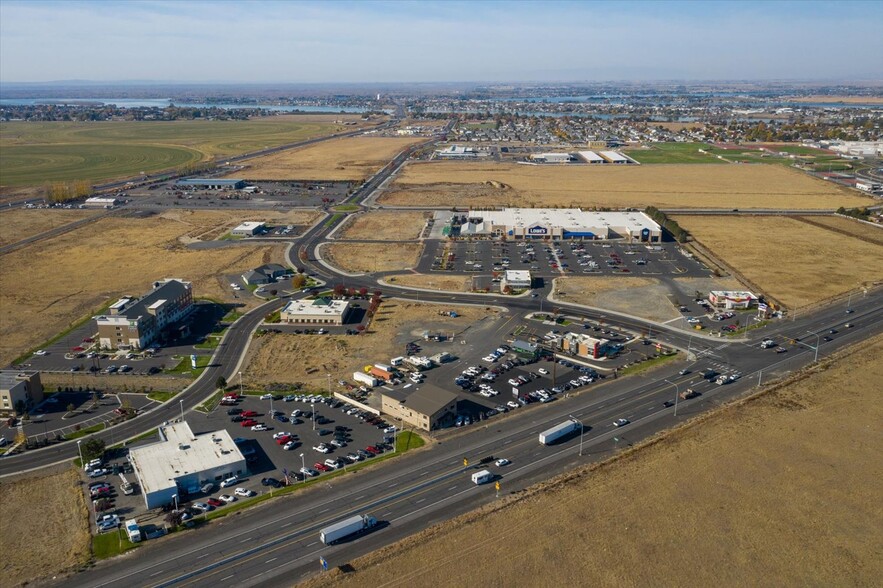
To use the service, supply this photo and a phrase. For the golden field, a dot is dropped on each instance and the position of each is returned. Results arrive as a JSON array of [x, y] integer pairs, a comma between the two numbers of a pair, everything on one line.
[[853, 227], [781, 489], [350, 158], [372, 257], [385, 226], [458, 183], [78, 272], [20, 223], [794, 262], [432, 281]]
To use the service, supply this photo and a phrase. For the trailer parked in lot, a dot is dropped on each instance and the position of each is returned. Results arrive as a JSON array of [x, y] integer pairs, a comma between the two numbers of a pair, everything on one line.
[[364, 378], [558, 431], [346, 527]]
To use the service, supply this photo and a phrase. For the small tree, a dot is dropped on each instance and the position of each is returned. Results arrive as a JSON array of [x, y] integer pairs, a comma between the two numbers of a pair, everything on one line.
[[173, 518], [93, 448], [298, 281], [221, 382]]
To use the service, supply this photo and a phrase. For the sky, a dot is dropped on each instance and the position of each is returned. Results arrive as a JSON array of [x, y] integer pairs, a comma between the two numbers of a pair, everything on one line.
[[364, 42]]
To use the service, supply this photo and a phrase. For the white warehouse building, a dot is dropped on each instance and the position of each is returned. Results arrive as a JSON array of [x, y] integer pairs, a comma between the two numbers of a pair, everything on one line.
[[556, 223], [182, 462]]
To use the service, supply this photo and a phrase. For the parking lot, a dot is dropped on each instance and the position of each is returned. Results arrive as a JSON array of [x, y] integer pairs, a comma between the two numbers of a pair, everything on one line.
[[268, 195], [557, 258]]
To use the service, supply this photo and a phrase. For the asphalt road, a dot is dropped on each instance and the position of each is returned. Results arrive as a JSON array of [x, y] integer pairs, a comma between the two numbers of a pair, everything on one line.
[[279, 542]]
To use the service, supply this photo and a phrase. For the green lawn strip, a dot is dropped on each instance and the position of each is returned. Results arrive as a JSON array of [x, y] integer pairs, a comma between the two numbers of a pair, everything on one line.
[[345, 208], [273, 317], [160, 396], [75, 325], [405, 440], [86, 431], [210, 404], [672, 153], [231, 316], [111, 544], [141, 437], [211, 342], [646, 365], [183, 368], [333, 219]]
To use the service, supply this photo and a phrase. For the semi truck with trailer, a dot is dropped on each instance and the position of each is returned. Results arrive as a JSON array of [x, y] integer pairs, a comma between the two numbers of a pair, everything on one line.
[[366, 379], [558, 431], [347, 527]]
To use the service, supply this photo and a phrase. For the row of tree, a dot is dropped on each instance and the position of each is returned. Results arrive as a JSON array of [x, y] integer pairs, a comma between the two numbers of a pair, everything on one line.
[[680, 234], [58, 192]]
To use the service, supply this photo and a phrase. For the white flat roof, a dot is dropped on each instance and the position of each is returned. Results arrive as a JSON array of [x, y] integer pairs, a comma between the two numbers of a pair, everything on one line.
[[591, 156], [517, 275], [571, 219], [614, 156], [249, 226], [314, 307], [160, 464]]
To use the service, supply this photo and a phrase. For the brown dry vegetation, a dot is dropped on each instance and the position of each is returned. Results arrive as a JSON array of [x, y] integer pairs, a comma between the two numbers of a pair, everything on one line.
[[843, 99], [20, 223], [385, 226], [351, 158], [58, 542], [643, 297], [795, 263], [853, 227], [372, 257], [779, 490], [432, 281], [74, 274], [305, 358], [677, 126], [673, 186]]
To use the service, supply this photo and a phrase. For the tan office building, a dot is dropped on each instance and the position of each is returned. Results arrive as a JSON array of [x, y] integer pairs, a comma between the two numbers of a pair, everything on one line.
[[429, 407], [17, 386]]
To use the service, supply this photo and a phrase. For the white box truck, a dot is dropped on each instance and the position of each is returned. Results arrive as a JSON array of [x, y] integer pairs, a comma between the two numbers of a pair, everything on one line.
[[364, 378], [133, 531], [345, 528], [558, 431], [482, 477]]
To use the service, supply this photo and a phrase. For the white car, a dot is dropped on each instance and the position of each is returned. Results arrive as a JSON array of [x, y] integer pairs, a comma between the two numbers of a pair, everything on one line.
[[290, 445], [227, 498], [543, 371], [266, 396], [322, 448], [243, 492], [259, 427], [280, 434], [41, 352], [231, 481], [512, 404], [621, 422], [502, 462], [202, 506]]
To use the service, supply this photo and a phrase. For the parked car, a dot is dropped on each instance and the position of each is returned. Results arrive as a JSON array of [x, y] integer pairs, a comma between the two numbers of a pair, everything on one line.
[[243, 492], [249, 413], [231, 481], [290, 445], [215, 502], [259, 427]]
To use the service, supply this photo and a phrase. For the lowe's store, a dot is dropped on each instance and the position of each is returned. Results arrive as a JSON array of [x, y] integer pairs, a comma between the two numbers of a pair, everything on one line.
[[555, 223]]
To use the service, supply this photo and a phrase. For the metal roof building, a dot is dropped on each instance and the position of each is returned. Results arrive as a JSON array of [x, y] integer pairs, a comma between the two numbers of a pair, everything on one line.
[[591, 157], [427, 408], [212, 183], [560, 223]]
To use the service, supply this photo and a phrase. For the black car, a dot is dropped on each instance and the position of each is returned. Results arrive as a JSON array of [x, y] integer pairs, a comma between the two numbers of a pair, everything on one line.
[[271, 482], [236, 419], [323, 432], [233, 411]]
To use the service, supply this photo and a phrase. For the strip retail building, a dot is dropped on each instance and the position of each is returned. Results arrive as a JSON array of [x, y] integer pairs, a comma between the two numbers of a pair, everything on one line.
[[554, 223]]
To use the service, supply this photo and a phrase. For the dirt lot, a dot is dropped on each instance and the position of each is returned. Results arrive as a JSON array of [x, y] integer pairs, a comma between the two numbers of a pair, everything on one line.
[[369, 257], [58, 542], [385, 226], [794, 262], [72, 275], [352, 158], [643, 297], [798, 505], [20, 223], [432, 282], [853, 227], [673, 186], [307, 358], [843, 99]]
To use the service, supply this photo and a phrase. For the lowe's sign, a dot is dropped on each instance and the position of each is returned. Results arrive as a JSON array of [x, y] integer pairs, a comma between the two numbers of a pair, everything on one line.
[[537, 231]]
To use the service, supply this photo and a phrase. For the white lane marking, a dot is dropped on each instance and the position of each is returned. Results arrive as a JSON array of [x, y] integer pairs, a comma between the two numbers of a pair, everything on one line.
[[311, 544], [271, 559], [244, 540], [421, 500]]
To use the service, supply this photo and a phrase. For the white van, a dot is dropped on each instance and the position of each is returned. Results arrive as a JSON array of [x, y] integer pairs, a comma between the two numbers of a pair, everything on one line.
[[482, 477]]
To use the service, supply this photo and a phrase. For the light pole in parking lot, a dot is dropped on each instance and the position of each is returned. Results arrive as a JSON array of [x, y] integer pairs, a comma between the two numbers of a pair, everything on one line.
[[677, 394], [80, 449], [303, 470], [581, 429], [240, 384], [181, 402], [175, 496]]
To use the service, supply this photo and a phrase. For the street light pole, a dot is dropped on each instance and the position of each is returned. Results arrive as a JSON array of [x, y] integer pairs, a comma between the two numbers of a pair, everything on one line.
[[303, 464], [175, 496], [818, 342], [329, 385], [581, 429], [80, 449], [181, 402], [677, 395], [240, 384]]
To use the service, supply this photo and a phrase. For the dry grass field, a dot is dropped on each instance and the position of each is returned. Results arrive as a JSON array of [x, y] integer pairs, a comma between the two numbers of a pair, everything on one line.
[[19, 223], [432, 282], [385, 226], [780, 490], [74, 274], [853, 227], [643, 297], [59, 542], [372, 257], [672, 186], [304, 358], [351, 158], [796, 263], [842, 99]]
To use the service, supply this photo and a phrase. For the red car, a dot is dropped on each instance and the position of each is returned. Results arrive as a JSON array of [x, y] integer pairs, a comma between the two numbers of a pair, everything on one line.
[[283, 439], [248, 423], [321, 467], [215, 502], [372, 450], [249, 413]]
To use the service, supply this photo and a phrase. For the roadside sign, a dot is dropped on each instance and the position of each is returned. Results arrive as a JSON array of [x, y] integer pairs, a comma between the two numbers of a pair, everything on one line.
[[497, 486], [465, 462]]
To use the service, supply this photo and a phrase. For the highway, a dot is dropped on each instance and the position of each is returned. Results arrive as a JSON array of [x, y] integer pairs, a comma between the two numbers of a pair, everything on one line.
[[279, 543]]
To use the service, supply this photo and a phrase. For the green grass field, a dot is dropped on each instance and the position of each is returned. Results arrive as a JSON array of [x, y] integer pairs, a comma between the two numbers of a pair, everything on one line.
[[36, 153], [672, 153]]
